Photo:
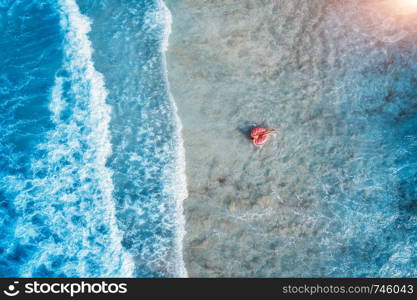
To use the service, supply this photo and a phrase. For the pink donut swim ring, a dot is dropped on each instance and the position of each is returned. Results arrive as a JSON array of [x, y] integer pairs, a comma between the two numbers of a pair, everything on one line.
[[260, 135]]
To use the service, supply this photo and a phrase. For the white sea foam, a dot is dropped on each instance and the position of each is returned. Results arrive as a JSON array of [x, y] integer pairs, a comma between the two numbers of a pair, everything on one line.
[[179, 180], [78, 61], [81, 117]]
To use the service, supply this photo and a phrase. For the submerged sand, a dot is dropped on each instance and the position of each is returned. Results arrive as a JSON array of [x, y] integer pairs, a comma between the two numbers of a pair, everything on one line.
[[281, 64]]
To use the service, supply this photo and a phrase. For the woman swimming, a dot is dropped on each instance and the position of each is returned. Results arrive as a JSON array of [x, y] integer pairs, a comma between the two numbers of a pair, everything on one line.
[[260, 135]]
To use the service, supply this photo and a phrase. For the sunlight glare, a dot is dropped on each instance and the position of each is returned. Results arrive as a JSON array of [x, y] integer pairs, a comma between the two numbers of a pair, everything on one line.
[[406, 6]]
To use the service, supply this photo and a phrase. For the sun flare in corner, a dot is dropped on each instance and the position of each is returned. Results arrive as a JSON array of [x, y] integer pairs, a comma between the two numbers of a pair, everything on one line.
[[406, 6]]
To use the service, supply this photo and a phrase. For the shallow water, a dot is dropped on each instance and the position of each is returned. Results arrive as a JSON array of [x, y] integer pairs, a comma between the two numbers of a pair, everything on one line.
[[333, 193]]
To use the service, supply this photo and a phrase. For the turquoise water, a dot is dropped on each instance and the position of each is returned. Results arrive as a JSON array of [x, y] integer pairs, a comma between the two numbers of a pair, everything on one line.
[[372, 200], [89, 164], [91, 160], [333, 192]]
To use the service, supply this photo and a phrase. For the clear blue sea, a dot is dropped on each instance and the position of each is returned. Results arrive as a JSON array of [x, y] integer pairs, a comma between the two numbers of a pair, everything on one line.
[[90, 166]]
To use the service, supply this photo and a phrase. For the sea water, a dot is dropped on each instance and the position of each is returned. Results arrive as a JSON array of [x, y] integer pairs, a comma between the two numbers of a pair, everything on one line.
[[91, 164], [333, 192], [91, 161]]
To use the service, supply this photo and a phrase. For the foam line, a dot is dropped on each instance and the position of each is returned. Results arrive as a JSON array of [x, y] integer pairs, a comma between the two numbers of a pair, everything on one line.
[[78, 59], [179, 180]]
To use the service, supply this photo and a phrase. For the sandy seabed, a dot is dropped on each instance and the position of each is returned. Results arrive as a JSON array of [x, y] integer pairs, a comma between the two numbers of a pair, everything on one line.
[[299, 206]]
